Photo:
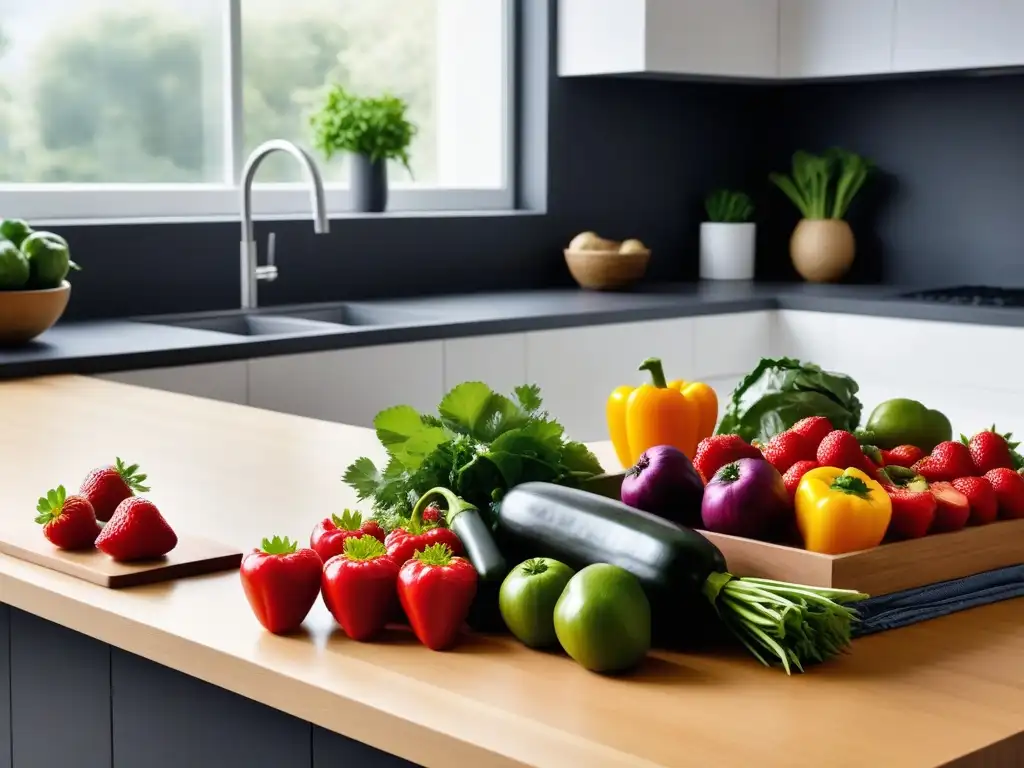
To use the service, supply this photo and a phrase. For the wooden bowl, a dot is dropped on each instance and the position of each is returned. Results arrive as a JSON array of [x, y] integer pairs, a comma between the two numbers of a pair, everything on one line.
[[606, 270], [26, 314]]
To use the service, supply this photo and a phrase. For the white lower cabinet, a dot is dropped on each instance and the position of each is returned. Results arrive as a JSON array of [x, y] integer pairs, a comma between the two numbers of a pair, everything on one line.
[[499, 361], [216, 381], [577, 368], [350, 385]]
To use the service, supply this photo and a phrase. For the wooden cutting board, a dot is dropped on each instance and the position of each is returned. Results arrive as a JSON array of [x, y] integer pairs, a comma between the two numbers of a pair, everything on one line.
[[192, 557]]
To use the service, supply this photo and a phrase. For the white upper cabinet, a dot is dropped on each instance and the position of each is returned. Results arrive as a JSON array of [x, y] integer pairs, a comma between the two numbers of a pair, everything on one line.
[[957, 34], [835, 38], [788, 39], [713, 38]]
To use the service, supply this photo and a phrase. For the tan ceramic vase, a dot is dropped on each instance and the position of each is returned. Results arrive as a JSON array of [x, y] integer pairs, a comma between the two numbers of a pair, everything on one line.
[[822, 249]]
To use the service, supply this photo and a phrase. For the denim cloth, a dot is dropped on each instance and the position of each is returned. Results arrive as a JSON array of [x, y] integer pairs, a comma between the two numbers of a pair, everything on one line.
[[900, 609]]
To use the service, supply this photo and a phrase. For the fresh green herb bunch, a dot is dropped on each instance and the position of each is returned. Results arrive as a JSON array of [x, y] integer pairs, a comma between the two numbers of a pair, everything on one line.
[[372, 126], [823, 186], [479, 445], [729, 207], [789, 624]]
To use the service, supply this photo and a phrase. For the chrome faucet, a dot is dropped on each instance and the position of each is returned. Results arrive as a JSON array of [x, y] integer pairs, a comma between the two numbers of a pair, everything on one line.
[[252, 273]]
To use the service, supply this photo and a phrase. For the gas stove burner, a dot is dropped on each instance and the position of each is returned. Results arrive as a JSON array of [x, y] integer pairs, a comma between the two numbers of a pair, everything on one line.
[[972, 295]]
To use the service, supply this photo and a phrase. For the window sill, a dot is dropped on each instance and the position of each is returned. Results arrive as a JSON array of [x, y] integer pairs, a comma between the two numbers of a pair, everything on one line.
[[336, 216]]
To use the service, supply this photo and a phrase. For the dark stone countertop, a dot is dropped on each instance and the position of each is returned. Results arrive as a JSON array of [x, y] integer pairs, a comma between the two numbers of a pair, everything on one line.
[[137, 343]]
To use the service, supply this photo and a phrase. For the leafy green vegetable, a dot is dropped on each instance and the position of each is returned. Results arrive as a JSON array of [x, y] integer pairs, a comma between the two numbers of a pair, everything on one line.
[[479, 445], [729, 207], [810, 185], [778, 393]]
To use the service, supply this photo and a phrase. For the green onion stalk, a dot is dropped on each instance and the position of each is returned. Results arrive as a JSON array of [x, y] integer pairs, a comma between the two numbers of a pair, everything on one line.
[[780, 623]]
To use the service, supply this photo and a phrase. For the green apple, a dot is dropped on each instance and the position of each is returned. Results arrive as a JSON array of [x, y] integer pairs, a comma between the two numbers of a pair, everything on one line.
[[14, 269], [49, 259], [15, 230], [527, 599], [603, 619]]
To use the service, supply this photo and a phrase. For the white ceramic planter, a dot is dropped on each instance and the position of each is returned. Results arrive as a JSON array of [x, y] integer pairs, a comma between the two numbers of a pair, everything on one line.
[[727, 251]]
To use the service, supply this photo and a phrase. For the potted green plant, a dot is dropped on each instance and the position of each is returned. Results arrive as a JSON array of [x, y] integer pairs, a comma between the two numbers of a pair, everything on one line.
[[822, 187], [727, 238], [373, 130]]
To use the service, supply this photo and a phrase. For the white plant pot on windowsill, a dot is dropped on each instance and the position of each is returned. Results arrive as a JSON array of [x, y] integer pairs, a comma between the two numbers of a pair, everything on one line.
[[727, 250]]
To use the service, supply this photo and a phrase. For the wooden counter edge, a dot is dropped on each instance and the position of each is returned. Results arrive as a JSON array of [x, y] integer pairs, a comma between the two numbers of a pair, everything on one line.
[[394, 733]]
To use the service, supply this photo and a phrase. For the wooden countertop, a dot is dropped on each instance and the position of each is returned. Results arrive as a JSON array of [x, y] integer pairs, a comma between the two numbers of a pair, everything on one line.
[[947, 691]]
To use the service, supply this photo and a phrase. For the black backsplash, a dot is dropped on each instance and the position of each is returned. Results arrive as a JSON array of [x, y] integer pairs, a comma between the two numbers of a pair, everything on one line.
[[634, 158], [948, 203], [626, 158]]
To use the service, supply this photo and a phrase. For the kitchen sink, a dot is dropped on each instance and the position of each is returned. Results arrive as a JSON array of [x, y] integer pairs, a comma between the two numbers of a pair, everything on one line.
[[248, 325], [284, 321], [357, 315]]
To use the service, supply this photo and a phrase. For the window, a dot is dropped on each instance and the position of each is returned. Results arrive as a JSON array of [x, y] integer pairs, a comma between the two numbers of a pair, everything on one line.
[[132, 108]]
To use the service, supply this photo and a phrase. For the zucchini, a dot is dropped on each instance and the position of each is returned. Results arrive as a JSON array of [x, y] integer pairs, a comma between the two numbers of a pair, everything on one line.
[[466, 522], [579, 529]]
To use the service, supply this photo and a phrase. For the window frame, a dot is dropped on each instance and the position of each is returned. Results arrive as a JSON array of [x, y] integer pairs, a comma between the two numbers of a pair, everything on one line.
[[137, 202]]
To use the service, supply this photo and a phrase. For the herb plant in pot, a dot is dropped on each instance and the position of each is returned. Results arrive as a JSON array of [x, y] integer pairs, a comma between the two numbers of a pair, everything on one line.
[[728, 237], [372, 130], [822, 187]]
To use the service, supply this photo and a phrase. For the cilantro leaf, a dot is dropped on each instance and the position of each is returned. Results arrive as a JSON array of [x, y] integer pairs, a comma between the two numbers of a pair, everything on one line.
[[480, 445], [577, 458], [364, 478], [528, 397], [402, 432], [473, 409]]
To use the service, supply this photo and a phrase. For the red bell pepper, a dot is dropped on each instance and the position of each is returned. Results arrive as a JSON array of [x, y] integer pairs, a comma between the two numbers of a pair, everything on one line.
[[328, 537], [281, 583], [436, 590], [359, 587], [403, 543]]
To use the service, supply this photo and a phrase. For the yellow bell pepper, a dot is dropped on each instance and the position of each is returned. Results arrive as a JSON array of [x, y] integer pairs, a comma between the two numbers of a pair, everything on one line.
[[707, 404], [841, 511], [651, 414]]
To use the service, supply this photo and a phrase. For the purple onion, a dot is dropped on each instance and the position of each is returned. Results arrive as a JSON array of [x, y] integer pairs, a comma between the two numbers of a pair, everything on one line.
[[746, 498], [664, 483]]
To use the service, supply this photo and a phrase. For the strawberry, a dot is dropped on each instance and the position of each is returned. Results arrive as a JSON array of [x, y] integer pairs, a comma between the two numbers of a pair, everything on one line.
[[840, 449], [1009, 488], [913, 511], [947, 461], [137, 531], [786, 449], [814, 428], [716, 451], [982, 498], [69, 522], [902, 456], [794, 474], [990, 450], [373, 528], [432, 514], [107, 487], [952, 510]]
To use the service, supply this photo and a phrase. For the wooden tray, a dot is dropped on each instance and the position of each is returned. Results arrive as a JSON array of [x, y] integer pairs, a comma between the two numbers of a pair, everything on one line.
[[884, 569], [192, 557], [879, 571]]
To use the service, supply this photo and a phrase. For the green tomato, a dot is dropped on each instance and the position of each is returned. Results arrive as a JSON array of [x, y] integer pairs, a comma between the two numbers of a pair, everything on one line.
[[902, 421], [527, 599], [14, 269], [48, 257], [15, 230], [603, 619]]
